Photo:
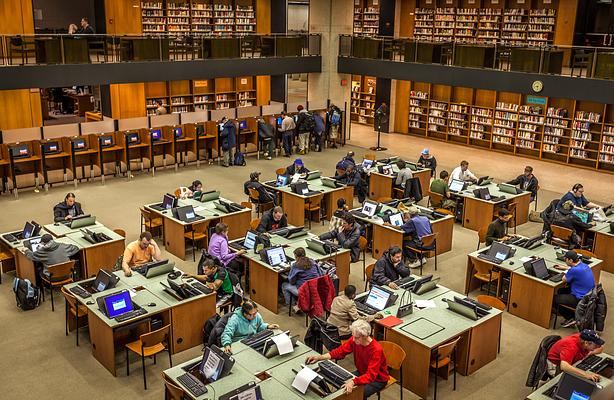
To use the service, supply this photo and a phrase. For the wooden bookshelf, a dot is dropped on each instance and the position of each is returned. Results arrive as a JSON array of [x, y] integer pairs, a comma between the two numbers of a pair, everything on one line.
[[443, 26], [586, 131], [362, 109], [489, 25], [541, 25], [155, 91], [505, 124], [465, 25], [531, 119], [459, 115], [178, 16], [203, 91], [366, 17], [424, 23], [201, 17], [437, 122], [153, 17], [418, 108], [514, 26]]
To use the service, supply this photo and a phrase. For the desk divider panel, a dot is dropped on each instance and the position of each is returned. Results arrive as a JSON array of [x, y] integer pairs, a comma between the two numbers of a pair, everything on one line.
[[107, 125], [21, 135], [58, 131], [217, 115], [133, 123], [194, 117], [273, 108], [252, 111], [161, 120]]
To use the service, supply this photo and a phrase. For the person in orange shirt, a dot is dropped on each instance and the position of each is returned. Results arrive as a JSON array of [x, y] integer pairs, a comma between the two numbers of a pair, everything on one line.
[[140, 252]]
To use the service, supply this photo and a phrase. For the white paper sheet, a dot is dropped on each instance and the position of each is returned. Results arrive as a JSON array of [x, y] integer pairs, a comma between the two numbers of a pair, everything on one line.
[[525, 259], [284, 344], [212, 366], [303, 379], [425, 304]]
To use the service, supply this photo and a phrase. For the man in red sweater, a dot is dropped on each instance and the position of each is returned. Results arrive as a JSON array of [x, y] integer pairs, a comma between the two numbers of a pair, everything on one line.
[[567, 351], [369, 359]]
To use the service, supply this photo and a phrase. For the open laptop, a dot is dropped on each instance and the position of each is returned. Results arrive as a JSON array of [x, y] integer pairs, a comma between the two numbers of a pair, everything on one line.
[[369, 209], [119, 306], [497, 253], [214, 366], [508, 188], [484, 180], [249, 391], [33, 243], [426, 286], [367, 164], [104, 280], [51, 147], [303, 189], [81, 221], [79, 144], [484, 194], [276, 257], [376, 300], [584, 215], [282, 180], [385, 169], [156, 134], [538, 269], [155, 268], [320, 246], [457, 186], [208, 196], [572, 387], [168, 201], [187, 214], [465, 308], [178, 131], [29, 230], [330, 182], [313, 175], [133, 137], [248, 243], [106, 141], [412, 166], [395, 219], [20, 150]]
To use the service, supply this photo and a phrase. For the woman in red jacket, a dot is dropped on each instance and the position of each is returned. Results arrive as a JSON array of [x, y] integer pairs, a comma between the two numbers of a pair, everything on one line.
[[369, 359]]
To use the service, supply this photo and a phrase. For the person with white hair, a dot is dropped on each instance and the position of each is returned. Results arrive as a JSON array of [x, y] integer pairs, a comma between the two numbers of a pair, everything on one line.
[[369, 358]]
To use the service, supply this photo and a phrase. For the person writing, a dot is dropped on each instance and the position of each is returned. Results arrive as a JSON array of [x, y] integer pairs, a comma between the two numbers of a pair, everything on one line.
[[343, 312], [139, 252], [576, 196], [497, 230], [567, 351], [462, 173], [426, 160], [218, 247], [580, 280], [348, 236], [296, 168], [66, 210], [245, 322], [272, 219], [369, 358], [389, 268], [302, 270]]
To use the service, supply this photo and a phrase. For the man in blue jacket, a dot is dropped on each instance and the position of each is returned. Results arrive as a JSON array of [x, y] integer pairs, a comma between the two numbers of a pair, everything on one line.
[[580, 280], [228, 138], [245, 322]]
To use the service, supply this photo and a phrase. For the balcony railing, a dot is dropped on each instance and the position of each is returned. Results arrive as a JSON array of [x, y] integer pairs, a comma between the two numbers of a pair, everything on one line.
[[86, 49], [575, 61]]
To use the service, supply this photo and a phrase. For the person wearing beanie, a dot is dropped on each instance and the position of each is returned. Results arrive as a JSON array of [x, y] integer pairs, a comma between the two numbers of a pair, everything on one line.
[[569, 350], [580, 281], [50, 253], [296, 168], [264, 196], [426, 160]]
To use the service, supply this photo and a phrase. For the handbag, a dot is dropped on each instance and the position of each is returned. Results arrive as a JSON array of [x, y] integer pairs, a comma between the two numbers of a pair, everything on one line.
[[405, 308]]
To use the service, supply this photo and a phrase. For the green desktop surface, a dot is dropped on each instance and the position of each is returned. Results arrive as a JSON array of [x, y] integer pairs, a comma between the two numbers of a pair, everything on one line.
[[255, 362], [59, 229]]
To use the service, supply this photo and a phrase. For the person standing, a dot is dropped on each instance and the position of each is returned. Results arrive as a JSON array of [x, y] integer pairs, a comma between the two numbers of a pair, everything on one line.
[[305, 124], [228, 136], [68, 209], [334, 121], [318, 132], [426, 160], [287, 133]]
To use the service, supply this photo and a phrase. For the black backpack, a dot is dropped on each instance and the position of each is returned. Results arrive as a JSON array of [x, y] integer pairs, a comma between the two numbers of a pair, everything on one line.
[[309, 123], [239, 159], [27, 296], [208, 328]]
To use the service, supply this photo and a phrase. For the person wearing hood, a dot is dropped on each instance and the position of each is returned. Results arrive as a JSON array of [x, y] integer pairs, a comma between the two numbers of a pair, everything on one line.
[[245, 322], [389, 268], [51, 252], [66, 210], [228, 138], [566, 218], [347, 237], [297, 167], [264, 196], [349, 175]]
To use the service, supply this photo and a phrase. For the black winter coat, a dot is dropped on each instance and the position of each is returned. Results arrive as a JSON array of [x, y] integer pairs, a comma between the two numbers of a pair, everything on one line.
[[592, 310], [228, 135], [539, 365]]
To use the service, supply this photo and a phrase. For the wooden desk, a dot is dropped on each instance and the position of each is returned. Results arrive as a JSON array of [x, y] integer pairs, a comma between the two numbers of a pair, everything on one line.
[[603, 246], [183, 144], [206, 137], [55, 160], [108, 151], [99, 255], [381, 185], [159, 147], [133, 150], [32, 164], [81, 157], [5, 167]]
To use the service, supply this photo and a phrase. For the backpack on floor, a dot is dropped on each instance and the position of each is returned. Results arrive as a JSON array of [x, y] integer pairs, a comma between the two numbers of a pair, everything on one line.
[[27, 296], [239, 159]]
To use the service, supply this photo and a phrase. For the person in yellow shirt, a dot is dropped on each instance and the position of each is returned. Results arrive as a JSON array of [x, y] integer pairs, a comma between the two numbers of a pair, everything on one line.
[[140, 252]]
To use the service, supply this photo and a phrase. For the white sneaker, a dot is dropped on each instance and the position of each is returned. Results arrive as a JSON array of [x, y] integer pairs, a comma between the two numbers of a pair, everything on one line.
[[424, 260], [266, 154], [269, 158], [296, 309], [415, 264]]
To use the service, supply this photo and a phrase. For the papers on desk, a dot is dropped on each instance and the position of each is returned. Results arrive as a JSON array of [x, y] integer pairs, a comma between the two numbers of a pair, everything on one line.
[[425, 304], [303, 379], [295, 178], [199, 209], [212, 367], [525, 259], [283, 343]]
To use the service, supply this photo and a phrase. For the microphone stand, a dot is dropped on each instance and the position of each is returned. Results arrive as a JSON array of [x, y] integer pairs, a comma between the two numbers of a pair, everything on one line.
[[378, 120]]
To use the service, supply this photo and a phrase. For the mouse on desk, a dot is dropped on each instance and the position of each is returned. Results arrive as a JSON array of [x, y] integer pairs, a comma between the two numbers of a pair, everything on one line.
[[216, 215], [57, 224], [89, 303], [151, 304], [511, 263]]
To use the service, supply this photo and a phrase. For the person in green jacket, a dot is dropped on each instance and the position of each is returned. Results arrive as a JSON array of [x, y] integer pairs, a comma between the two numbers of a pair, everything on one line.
[[245, 322]]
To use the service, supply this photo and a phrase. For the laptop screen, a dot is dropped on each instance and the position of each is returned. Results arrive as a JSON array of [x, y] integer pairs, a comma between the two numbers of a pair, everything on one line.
[[156, 134], [276, 256], [35, 244], [387, 169], [189, 214], [242, 125], [499, 251], [366, 164], [118, 303], [539, 268], [28, 230], [583, 215], [78, 143], [168, 201], [178, 132], [572, 387], [456, 185], [377, 298], [250, 240], [51, 147], [107, 140], [369, 208], [101, 281], [132, 137], [282, 180], [396, 219], [279, 120], [212, 365]]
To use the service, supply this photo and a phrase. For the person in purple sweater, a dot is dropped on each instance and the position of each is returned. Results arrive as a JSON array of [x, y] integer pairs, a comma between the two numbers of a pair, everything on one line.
[[218, 247]]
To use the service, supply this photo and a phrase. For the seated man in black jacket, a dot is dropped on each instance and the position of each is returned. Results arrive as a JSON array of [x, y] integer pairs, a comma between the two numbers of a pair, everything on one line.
[[566, 218], [67, 209], [347, 237], [264, 196], [351, 177], [497, 230], [527, 181], [296, 168], [272, 219], [389, 268]]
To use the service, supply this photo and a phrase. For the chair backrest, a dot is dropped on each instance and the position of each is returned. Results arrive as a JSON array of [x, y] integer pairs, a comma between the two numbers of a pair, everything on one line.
[[120, 232], [369, 271], [61, 269], [370, 156], [280, 171], [491, 301], [482, 267], [429, 240], [482, 235], [246, 204], [254, 196], [585, 253], [70, 298], [561, 232], [446, 349], [362, 243], [511, 207], [435, 198], [173, 392], [395, 355], [254, 223], [158, 336], [199, 228], [145, 214]]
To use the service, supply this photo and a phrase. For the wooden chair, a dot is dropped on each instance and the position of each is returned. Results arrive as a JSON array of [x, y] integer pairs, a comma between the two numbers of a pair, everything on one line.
[[254, 197], [369, 273], [434, 198], [485, 273], [395, 355], [362, 243], [491, 301], [482, 235], [172, 391], [280, 171], [254, 224], [444, 356], [247, 204], [74, 309], [383, 199], [196, 234], [311, 208], [120, 232], [561, 236], [59, 275], [585, 253], [429, 245], [148, 345], [149, 221], [398, 192]]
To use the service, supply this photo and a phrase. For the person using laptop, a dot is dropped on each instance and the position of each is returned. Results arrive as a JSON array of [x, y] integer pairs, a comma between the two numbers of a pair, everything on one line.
[[369, 359], [497, 229], [565, 217], [302, 270], [440, 186], [343, 312], [389, 268], [347, 237], [272, 219], [264, 196], [403, 175], [139, 252], [49, 253], [426, 160], [218, 247], [296, 168], [580, 280], [66, 210], [336, 220], [567, 351], [527, 181], [462, 173], [216, 278], [415, 227], [348, 174], [576, 196], [245, 322]]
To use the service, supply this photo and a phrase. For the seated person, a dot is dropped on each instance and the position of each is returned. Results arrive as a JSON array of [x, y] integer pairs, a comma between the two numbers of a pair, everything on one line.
[[296, 168], [245, 322], [566, 218], [336, 220], [567, 351], [343, 312], [462, 173], [389, 268], [527, 181], [497, 230], [50, 253], [580, 280], [188, 192], [369, 358], [67, 209], [218, 247], [349, 157], [348, 174], [264, 196], [403, 175], [272, 219], [440, 186], [302, 270], [347, 237], [139, 252], [415, 227], [215, 278], [426, 160], [576, 195]]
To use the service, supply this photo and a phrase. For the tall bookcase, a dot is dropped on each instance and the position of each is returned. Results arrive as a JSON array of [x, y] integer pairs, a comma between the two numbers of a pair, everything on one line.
[[366, 17], [362, 108]]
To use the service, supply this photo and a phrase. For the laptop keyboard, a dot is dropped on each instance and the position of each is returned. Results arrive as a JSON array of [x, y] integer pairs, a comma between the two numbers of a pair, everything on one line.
[[79, 291], [194, 386], [589, 362], [365, 309], [201, 288], [360, 214], [334, 373], [130, 315], [489, 258]]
